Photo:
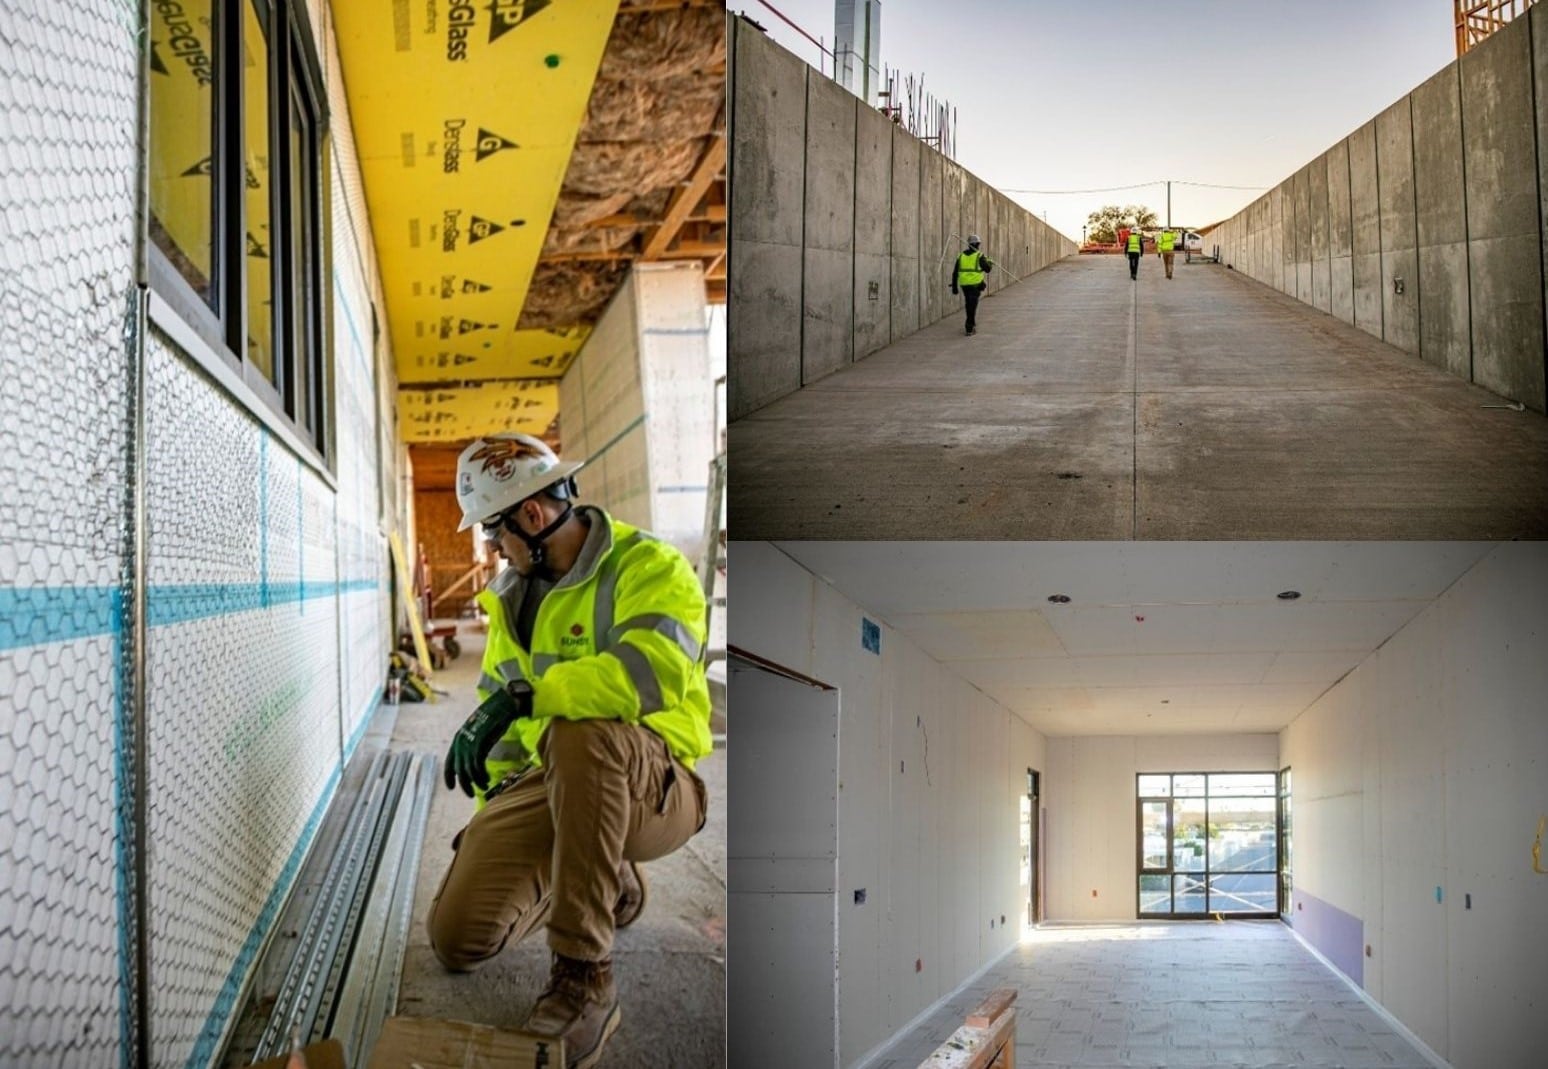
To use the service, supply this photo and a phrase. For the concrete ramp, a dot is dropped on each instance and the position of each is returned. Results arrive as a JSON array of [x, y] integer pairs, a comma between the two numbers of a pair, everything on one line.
[[1090, 407]]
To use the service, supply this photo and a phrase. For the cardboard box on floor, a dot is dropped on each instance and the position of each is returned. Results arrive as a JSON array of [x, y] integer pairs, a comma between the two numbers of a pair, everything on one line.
[[422, 1043], [325, 1055]]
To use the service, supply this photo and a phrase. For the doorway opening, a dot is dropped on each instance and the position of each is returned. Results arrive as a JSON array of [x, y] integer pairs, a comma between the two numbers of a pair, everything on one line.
[[1031, 840], [1286, 883], [1208, 844], [782, 868]]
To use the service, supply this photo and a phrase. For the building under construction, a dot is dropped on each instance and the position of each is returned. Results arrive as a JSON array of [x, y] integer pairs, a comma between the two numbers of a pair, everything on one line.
[[268, 266]]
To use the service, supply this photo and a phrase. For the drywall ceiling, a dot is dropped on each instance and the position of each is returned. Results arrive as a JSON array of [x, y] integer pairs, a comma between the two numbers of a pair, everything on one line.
[[1157, 638]]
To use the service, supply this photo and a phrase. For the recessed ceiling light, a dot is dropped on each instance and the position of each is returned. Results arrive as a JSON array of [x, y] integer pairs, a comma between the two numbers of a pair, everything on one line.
[[1059, 599], [1289, 595]]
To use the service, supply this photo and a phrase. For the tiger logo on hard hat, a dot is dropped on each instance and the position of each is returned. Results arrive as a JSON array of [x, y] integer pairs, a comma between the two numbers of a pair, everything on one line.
[[499, 457]]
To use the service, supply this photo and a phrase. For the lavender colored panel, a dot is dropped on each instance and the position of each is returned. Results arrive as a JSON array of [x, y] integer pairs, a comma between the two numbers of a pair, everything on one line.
[[1338, 936]]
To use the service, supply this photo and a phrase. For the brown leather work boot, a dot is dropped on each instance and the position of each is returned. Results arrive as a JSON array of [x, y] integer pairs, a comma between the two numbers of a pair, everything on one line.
[[580, 1005], [631, 895]]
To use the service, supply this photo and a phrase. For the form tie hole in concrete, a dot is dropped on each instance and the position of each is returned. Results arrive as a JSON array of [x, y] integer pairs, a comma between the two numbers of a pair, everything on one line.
[[1288, 595], [1070, 475], [1059, 599]]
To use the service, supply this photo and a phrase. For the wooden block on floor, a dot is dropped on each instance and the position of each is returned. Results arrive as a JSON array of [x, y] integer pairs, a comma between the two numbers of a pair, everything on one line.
[[998, 1001], [991, 1046]]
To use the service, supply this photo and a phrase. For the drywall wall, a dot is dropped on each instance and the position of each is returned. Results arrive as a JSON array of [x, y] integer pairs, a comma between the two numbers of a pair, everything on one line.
[[931, 772], [1418, 781], [1092, 821], [649, 353], [266, 601], [1445, 246], [844, 225]]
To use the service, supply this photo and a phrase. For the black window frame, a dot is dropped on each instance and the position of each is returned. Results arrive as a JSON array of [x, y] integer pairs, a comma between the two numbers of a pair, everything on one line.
[[300, 396], [1171, 871]]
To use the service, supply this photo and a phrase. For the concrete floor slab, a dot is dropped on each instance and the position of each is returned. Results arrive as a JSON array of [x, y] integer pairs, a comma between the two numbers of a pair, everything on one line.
[[1242, 993], [1088, 407], [669, 965]]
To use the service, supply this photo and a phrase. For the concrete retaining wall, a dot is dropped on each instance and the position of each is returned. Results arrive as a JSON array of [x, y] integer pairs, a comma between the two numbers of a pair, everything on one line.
[[1397, 205], [843, 227]]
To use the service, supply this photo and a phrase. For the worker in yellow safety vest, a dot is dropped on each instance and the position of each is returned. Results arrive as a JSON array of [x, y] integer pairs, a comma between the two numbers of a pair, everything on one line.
[[1166, 241], [969, 275], [594, 709], [1134, 246]]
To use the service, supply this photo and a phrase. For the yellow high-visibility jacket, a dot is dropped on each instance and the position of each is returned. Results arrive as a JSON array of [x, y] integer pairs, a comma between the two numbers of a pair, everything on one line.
[[620, 637], [1136, 242], [970, 268], [1165, 240]]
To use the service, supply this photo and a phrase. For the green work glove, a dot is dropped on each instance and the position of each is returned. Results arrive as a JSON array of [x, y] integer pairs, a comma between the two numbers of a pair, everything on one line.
[[471, 745]]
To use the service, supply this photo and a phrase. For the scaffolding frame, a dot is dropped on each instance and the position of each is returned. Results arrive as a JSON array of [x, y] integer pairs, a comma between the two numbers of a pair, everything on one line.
[[1476, 21]]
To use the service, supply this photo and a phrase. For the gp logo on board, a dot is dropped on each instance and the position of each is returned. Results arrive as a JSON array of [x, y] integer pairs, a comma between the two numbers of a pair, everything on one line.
[[487, 145], [478, 229], [449, 287], [504, 16], [452, 325]]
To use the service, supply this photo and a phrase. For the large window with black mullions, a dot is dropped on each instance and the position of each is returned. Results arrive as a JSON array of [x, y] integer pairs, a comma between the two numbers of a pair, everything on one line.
[[1208, 844], [237, 187]]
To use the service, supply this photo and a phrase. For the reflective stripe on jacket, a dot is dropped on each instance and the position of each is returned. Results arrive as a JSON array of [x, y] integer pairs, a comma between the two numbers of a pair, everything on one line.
[[970, 269], [620, 637], [1136, 243]]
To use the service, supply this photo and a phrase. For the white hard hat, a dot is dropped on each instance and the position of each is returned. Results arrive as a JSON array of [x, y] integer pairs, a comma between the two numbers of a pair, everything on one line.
[[500, 470]]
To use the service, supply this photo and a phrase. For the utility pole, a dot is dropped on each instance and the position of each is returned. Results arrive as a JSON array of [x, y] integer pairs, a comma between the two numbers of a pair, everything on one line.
[[1169, 204]]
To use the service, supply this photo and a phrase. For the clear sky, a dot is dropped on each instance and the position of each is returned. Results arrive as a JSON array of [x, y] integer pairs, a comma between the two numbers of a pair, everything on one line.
[[1095, 93]]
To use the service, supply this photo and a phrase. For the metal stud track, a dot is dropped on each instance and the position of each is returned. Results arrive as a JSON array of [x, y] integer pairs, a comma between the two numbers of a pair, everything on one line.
[[366, 894]]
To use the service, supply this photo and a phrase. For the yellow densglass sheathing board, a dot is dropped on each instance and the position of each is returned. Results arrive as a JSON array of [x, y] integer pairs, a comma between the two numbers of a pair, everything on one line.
[[450, 348], [455, 414], [465, 113]]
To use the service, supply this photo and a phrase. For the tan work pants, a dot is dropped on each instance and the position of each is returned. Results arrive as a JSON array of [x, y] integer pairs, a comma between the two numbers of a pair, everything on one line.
[[549, 847], [1166, 258]]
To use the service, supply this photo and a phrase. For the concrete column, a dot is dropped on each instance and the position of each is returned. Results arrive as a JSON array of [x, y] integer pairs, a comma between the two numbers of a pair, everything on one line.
[[1317, 203], [763, 314], [1503, 225], [873, 232], [1441, 216], [1365, 237], [1399, 256], [828, 263], [1340, 228], [905, 291]]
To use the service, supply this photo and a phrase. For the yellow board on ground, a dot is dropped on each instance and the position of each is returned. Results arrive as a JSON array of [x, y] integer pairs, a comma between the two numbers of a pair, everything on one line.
[[457, 414], [410, 602], [465, 115]]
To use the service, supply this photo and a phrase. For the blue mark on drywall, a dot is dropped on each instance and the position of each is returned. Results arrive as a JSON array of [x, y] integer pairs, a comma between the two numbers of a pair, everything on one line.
[[870, 635], [180, 604], [35, 616], [32, 616], [263, 514], [681, 489], [354, 330]]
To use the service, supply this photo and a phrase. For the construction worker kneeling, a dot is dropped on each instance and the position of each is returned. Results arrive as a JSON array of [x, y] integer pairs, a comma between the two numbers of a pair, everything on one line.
[[594, 711]]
